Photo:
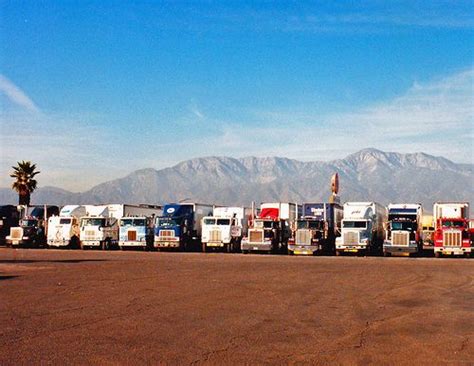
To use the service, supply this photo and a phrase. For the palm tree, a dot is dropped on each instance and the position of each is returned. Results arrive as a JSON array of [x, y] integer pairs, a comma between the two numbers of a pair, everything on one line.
[[24, 183]]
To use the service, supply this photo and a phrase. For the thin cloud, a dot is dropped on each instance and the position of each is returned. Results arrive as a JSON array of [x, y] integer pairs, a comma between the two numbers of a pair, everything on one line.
[[16, 95]]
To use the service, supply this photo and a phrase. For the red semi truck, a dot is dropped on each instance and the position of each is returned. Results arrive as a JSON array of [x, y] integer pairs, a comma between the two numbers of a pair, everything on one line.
[[451, 234]]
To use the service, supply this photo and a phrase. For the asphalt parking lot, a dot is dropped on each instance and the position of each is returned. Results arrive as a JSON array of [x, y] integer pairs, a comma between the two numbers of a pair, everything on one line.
[[93, 307]]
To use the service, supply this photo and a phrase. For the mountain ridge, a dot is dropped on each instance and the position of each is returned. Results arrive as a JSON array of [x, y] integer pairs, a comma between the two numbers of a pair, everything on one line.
[[369, 174]]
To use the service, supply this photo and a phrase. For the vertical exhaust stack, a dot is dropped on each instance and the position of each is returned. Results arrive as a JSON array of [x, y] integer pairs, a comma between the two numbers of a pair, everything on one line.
[[334, 198]]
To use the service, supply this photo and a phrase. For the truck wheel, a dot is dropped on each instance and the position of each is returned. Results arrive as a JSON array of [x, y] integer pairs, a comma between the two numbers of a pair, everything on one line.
[[338, 253], [386, 254], [203, 247], [437, 254]]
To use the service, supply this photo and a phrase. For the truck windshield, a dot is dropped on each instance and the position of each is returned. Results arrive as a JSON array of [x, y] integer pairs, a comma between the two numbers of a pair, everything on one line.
[[93, 222], [452, 223], [166, 221], [403, 226], [354, 224], [263, 224], [223, 221], [29, 222], [126, 222], [64, 221], [309, 224], [210, 221]]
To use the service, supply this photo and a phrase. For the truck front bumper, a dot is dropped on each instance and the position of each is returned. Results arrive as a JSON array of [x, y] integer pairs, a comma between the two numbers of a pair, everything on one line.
[[260, 247], [58, 243], [132, 243], [91, 243], [303, 249], [166, 244], [216, 244], [355, 248], [453, 250], [402, 249]]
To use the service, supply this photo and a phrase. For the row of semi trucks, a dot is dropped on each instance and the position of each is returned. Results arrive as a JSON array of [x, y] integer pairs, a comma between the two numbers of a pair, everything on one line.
[[276, 227]]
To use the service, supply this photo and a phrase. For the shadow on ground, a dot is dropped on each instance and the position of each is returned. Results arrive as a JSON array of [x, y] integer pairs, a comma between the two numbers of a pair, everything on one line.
[[23, 261]]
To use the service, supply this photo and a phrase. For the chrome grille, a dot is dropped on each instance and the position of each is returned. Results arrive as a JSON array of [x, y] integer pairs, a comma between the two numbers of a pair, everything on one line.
[[303, 237], [215, 235], [167, 233], [132, 235], [256, 236], [351, 238], [16, 233], [89, 234], [452, 239], [400, 238]]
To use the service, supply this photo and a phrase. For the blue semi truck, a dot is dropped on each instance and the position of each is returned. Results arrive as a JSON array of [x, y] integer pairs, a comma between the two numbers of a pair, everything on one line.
[[316, 230], [180, 226]]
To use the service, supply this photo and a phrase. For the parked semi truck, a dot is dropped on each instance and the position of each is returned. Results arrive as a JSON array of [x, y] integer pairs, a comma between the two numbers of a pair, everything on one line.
[[404, 229], [225, 228], [9, 217], [271, 230], [99, 229], [136, 225], [316, 229], [428, 233], [362, 228], [180, 226], [31, 231], [63, 230], [451, 234]]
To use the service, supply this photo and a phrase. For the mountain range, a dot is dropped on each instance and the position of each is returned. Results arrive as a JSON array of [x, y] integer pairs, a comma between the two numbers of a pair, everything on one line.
[[368, 175]]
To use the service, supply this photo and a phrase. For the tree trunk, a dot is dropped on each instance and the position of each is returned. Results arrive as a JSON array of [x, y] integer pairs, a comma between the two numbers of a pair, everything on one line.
[[24, 197]]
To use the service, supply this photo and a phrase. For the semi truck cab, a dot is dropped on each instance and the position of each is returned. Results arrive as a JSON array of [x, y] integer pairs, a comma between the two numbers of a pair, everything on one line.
[[99, 232], [452, 237], [356, 236], [135, 232], [308, 238]]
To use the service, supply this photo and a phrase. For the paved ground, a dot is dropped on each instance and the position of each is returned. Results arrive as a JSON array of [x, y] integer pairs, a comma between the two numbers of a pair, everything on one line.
[[92, 307]]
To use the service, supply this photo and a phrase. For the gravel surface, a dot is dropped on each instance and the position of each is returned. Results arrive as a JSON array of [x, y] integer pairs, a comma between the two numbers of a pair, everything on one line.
[[92, 307]]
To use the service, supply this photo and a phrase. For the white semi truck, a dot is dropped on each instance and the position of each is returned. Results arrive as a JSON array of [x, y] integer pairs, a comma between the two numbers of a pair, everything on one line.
[[225, 228], [404, 235], [362, 228], [63, 230], [99, 228]]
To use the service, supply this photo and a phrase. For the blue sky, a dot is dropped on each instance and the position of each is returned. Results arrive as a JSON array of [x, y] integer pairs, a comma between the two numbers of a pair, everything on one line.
[[92, 90]]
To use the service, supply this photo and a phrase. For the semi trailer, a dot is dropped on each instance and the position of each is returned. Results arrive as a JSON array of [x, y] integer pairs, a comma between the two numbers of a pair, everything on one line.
[[451, 236], [31, 231], [362, 228], [404, 229], [271, 230], [180, 226], [317, 228], [225, 228]]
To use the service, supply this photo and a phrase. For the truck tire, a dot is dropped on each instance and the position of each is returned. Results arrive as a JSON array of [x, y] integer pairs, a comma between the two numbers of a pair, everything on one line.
[[437, 254], [338, 253], [386, 254], [204, 247]]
